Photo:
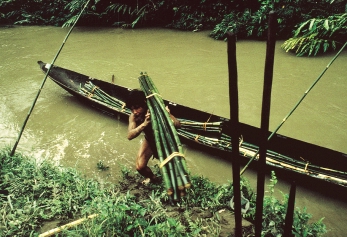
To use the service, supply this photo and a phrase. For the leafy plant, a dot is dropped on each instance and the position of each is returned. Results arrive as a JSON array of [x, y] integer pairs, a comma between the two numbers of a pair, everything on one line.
[[48, 12], [252, 22], [101, 166], [33, 192], [138, 12], [274, 214], [318, 35], [233, 22]]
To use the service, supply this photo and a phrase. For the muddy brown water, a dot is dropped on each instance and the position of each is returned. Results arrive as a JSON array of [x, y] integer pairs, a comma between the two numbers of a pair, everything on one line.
[[188, 68]]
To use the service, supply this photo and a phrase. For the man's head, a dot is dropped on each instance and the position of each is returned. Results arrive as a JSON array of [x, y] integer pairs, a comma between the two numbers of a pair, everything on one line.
[[136, 100]]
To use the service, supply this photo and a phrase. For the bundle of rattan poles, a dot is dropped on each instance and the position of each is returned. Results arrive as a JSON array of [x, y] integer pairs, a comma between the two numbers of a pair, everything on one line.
[[92, 91], [172, 162]]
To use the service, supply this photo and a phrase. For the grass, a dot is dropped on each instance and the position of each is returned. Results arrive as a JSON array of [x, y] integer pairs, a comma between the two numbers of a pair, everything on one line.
[[34, 193]]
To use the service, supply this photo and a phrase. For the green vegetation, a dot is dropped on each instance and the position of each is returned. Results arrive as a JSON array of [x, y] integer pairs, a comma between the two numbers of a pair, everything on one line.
[[318, 35], [311, 27], [274, 216], [33, 193]]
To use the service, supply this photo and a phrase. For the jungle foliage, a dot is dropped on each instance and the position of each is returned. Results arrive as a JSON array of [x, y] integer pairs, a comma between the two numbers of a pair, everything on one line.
[[34, 192], [317, 35], [311, 27]]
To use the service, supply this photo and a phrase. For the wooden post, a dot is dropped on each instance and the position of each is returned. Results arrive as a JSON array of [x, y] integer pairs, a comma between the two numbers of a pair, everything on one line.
[[290, 212], [235, 133], [265, 116]]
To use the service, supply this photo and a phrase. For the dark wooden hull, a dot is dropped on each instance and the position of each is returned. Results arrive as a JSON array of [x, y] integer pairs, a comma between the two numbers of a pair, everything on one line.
[[284, 152]]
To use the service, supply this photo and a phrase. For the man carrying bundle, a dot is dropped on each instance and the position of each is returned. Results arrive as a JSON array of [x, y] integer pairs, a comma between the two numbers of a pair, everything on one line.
[[140, 121]]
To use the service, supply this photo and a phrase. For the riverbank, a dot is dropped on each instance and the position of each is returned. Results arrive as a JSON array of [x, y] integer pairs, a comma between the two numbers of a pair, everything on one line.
[[37, 194]]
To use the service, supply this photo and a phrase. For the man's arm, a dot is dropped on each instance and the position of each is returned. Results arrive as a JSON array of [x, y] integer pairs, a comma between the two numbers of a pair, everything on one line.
[[134, 130], [175, 121]]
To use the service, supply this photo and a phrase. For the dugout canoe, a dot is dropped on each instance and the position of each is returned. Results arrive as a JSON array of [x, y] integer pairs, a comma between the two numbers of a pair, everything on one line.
[[210, 131]]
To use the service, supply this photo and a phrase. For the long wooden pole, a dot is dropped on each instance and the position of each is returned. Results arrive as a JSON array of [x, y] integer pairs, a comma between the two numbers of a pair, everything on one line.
[[290, 212], [297, 104], [234, 123], [64, 227], [44, 80], [265, 116]]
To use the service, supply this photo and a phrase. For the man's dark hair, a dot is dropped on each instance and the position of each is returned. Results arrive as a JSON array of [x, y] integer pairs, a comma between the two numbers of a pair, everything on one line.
[[136, 98]]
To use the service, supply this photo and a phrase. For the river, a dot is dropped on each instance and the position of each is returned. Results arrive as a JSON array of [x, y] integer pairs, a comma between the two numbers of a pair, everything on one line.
[[188, 68]]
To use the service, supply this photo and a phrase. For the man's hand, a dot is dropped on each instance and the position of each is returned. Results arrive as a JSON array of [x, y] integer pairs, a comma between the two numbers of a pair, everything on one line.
[[147, 118], [167, 109]]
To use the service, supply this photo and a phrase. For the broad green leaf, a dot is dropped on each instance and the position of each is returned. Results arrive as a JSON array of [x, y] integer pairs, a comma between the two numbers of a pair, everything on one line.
[[297, 32], [326, 24], [312, 23]]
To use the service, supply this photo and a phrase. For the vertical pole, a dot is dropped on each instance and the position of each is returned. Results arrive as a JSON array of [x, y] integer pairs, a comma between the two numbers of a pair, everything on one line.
[[235, 133], [290, 212], [265, 116]]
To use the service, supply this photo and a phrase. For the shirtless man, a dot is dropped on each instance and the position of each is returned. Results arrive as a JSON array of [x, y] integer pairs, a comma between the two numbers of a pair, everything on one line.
[[140, 121]]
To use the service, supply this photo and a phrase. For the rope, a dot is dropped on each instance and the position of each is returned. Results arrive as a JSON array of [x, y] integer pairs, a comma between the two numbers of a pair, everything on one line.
[[94, 88], [152, 95], [167, 159]]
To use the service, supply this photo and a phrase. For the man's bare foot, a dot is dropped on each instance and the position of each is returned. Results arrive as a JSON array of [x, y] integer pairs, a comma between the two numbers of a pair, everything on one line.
[[146, 181], [153, 180]]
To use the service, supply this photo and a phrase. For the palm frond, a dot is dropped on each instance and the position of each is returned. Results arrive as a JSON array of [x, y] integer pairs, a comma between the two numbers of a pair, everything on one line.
[[317, 35], [70, 22]]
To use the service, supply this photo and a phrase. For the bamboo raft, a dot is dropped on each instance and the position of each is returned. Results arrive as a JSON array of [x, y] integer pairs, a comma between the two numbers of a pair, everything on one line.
[[210, 131]]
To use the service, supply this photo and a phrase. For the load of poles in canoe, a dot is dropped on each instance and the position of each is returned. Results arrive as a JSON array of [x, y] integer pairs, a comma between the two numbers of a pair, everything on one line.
[[211, 134]]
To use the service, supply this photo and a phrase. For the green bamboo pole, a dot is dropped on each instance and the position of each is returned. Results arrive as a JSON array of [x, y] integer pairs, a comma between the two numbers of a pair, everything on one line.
[[170, 144], [298, 103], [168, 185], [163, 141], [102, 95], [198, 138], [43, 82], [200, 124], [166, 141], [179, 160], [178, 178], [150, 90], [175, 148], [163, 123], [176, 181]]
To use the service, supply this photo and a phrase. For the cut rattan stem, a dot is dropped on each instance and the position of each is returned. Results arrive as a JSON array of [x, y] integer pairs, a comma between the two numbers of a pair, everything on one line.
[[44, 80]]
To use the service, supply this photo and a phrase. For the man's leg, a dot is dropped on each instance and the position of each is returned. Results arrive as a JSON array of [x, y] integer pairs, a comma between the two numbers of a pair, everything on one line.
[[145, 153]]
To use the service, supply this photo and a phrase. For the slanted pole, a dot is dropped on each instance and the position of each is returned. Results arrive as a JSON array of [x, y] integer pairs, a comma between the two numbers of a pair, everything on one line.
[[235, 133], [290, 212], [44, 80], [297, 104], [265, 117]]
